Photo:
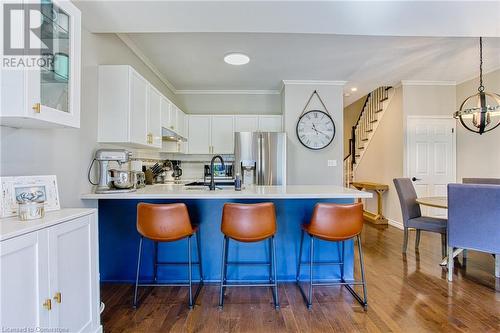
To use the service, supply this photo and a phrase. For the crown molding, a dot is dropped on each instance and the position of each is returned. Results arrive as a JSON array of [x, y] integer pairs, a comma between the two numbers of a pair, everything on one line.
[[427, 83], [314, 82], [227, 92], [137, 51]]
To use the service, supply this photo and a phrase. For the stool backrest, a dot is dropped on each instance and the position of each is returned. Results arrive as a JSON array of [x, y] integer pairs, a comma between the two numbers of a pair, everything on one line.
[[336, 221], [165, 222], [248, 222]]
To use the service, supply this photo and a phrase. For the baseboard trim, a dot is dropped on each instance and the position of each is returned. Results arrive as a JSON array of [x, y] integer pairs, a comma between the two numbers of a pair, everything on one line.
[[395, 224]]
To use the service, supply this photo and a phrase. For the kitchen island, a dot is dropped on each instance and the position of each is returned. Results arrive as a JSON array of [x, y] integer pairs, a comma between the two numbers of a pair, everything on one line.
[[119, 240]]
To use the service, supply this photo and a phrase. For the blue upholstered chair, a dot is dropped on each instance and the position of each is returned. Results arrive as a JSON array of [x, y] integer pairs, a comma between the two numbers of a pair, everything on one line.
[[412, 217], [474, 220]]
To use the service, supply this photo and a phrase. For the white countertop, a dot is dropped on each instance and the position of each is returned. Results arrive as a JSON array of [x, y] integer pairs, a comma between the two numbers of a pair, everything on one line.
[[12, 226], [173, 191]]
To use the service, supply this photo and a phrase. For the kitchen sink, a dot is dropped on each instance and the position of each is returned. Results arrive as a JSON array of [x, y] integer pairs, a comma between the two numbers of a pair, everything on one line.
[[217, 183]]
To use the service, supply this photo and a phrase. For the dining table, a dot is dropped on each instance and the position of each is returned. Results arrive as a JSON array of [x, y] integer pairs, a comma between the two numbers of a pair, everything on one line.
[[438, 202]]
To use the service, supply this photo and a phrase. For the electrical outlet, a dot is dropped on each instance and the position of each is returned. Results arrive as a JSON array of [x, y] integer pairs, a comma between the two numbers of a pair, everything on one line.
[[332, 163]]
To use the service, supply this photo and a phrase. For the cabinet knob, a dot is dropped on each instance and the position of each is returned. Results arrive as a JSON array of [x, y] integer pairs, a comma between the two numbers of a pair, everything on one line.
[[57, 297], [47, 304], [36, 107]]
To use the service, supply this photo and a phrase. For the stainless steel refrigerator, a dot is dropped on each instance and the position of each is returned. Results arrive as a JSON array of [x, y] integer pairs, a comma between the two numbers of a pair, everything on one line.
[[260, 157]]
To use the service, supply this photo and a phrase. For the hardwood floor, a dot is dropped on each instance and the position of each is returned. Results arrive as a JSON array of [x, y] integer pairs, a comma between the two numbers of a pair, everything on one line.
[[404, 294]]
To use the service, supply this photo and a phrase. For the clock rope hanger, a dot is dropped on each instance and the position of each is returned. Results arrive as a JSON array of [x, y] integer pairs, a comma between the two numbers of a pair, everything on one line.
[[315, 129]]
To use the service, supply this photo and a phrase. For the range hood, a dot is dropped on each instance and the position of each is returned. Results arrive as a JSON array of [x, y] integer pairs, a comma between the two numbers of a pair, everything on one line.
[[169, 135]]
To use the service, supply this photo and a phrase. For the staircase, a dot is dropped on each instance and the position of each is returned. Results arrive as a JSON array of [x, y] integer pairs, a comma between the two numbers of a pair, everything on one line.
[[373, 110]]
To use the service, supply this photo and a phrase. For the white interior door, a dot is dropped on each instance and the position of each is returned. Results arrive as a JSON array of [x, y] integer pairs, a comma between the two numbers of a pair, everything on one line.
[[431, 157]]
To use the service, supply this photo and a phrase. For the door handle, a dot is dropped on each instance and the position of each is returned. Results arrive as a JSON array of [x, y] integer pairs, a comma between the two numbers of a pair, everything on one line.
[[47, 304], [415, 179], [57, 297]]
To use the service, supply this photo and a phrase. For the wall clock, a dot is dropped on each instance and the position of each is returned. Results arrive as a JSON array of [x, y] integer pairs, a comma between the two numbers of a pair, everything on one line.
[[315, 129]]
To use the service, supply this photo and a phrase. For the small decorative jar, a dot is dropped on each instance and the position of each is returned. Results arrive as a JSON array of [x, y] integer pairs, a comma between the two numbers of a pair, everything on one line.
[[31, 210]]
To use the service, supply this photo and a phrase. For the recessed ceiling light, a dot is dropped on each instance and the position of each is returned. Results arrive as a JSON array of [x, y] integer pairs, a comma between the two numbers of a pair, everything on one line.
[[354, 89], [236, 59], [347, 94]]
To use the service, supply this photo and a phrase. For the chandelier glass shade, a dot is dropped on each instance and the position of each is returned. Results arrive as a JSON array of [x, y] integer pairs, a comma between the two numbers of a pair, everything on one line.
[[480, 113]]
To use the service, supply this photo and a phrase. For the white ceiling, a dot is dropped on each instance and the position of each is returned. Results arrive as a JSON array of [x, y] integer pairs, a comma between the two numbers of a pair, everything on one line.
[[194, 61], [367, 44]]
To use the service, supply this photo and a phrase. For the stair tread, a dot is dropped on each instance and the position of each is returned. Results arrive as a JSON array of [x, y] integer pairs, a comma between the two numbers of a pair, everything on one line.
[[373, 121]]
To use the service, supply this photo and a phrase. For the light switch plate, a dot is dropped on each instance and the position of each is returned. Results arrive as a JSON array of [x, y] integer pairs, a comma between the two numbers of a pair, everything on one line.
[[332, 163]]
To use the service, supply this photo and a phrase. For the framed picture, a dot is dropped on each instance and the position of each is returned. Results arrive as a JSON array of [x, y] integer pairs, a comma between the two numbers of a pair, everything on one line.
[[28, 188]]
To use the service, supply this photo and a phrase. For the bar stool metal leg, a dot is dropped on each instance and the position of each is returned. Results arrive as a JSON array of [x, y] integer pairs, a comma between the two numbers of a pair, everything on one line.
[[300, 256], [198, 246], [222, 273], [311, 256], [190, 273], [155, 264], [275, 275], [137, 273], [342, 260], [362, 267]]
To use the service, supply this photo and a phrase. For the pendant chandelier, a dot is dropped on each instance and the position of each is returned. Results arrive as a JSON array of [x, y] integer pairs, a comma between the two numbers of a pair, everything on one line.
[[480, 113]]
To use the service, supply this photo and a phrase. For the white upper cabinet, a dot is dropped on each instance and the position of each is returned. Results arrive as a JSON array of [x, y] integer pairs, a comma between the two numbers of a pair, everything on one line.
[[47, 96], [199, 134], [222, 135], [130, 108], [166, 113], [181, 123], [271, 123], [246, 123], [154, 117], [138, 126]]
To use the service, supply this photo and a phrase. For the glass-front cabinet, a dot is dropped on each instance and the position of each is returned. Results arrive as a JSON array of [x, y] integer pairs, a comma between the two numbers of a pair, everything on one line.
[[52, 86]]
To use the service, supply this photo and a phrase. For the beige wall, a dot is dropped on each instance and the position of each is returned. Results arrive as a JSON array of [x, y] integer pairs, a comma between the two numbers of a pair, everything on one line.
[[478, 155], [383, 160], [68, 152], [428, 99], [351, 115], [305, 166]]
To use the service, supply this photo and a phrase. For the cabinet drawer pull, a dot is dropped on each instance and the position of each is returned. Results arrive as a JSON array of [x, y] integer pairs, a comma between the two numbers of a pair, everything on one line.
[[36, 107], [57, 297], [47, 304]]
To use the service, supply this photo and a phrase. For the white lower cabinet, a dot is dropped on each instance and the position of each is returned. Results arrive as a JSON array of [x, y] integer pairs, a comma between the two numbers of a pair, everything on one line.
[[50, 279], [24, 281]]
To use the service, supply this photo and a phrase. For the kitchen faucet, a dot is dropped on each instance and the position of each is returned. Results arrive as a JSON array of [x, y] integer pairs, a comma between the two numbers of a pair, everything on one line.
[[212, 181]]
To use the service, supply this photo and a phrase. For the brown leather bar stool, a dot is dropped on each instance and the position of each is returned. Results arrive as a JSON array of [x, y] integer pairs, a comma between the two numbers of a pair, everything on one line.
[[249, 223], [167, 223], [335, 223]]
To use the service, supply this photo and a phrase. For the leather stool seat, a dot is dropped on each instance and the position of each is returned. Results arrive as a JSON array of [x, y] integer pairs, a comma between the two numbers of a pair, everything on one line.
[[167, 223], [335, 223], [249, 223]]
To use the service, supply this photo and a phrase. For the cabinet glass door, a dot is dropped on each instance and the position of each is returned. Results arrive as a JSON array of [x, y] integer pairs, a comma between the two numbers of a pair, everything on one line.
[[55, 76]]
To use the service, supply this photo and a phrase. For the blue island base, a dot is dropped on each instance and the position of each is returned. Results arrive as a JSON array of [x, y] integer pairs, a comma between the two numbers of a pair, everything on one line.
[[119, 241]]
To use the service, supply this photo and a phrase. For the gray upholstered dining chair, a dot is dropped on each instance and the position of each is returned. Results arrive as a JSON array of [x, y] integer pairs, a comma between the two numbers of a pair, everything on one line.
[[412, 216], [474, 220]]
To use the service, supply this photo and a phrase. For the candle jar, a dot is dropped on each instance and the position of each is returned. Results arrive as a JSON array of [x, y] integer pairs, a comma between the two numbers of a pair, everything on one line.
[[31, 210]]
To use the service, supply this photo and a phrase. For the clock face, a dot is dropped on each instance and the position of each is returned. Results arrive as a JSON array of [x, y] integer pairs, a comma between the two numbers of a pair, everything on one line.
[[315, 129]]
